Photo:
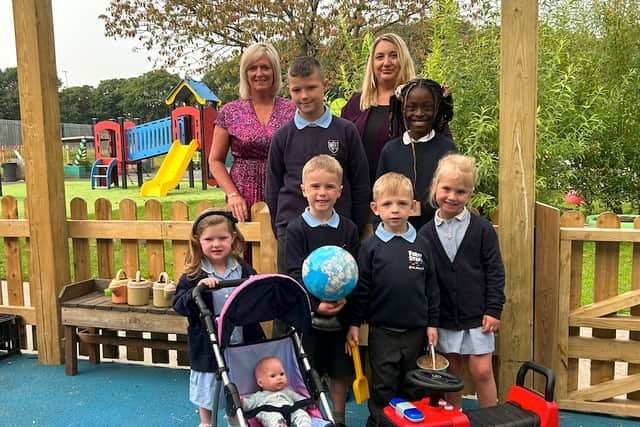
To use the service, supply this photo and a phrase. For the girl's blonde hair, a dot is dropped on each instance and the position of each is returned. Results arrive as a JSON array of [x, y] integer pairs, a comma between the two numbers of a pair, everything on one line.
[[207, 219], [456, 166], [392, 184], [407, 71], [250, 56]]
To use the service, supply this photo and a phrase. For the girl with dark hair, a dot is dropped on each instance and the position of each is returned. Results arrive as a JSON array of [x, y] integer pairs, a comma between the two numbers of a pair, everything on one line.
[[419, 111]]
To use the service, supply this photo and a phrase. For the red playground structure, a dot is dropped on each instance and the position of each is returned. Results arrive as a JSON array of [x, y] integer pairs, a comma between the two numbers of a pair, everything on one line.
[[187, 130]]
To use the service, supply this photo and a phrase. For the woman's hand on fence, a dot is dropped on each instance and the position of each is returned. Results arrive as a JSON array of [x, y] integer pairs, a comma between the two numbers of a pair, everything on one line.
[[209, 282], [238, 206]]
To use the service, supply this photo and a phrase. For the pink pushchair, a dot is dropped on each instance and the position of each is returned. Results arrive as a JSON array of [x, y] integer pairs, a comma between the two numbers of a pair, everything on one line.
[[262, 298]]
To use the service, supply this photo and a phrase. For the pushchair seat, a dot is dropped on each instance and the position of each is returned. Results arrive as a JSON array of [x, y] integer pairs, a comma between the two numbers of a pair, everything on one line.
[[242, 359]]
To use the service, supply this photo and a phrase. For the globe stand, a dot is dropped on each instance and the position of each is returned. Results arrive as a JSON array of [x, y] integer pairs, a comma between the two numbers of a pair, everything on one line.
[[325, 323]]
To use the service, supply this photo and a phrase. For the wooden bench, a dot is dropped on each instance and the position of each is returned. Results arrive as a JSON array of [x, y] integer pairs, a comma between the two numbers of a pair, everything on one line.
[[85, 308]]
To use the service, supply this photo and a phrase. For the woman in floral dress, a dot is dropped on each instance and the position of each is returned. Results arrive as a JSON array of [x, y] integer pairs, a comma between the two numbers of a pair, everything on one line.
[[247, 125]]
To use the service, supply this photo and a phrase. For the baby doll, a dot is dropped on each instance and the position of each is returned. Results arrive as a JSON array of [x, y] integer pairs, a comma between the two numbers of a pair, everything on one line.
[[272, 380]]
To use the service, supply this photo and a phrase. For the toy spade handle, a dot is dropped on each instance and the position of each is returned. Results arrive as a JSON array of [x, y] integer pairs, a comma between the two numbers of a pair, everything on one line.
[[355, 352], [546, 372]]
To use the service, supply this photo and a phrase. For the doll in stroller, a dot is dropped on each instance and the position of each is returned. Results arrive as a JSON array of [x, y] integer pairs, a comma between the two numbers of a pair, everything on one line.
[[262, 298]]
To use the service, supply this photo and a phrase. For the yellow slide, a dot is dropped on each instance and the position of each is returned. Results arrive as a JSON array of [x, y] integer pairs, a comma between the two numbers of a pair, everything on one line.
[[171, 170]]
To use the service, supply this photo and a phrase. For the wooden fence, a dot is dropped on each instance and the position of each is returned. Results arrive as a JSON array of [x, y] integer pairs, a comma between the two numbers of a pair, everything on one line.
[[593, 348], [101, 246]]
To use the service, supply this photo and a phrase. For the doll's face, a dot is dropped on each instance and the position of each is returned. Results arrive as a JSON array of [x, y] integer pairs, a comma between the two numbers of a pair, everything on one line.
[[270, 376]]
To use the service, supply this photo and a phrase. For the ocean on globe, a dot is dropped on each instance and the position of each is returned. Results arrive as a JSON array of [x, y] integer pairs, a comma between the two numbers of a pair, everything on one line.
[[330, 273]]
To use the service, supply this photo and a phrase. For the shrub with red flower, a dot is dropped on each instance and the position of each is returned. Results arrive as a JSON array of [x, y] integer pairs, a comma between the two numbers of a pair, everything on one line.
[[573, 198]]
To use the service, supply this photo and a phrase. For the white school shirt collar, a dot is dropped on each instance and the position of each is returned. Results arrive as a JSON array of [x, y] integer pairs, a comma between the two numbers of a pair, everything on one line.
[[406, 139]]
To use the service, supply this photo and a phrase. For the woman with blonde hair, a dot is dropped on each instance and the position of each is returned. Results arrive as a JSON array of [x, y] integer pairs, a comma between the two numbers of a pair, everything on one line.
[[246, 126], [389, 65]]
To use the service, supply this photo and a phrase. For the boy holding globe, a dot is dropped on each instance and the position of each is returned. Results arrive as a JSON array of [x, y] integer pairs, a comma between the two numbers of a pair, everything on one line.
[[397, 294], [320, 225]]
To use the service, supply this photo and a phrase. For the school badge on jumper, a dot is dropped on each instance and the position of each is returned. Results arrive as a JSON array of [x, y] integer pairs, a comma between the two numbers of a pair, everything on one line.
[[416, 261], [333, 145]]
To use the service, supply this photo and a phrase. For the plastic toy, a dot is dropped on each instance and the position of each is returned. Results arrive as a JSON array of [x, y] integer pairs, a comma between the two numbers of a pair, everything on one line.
[[523, 406], [406, 410]]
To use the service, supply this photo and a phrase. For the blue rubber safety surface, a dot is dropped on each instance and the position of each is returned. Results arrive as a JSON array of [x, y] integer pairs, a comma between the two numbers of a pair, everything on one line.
[[115, 394]]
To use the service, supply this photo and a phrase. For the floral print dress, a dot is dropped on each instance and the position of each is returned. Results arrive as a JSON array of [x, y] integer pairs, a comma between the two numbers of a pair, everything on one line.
[[250, 141]]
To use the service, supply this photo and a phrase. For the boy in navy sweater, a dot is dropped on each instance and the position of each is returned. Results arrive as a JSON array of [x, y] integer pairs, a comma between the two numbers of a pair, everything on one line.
[[318, 226], [313, 131], [397, 294]]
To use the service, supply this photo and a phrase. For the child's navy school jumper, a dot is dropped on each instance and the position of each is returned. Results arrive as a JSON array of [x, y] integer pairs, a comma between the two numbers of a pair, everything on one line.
[[473, 284]]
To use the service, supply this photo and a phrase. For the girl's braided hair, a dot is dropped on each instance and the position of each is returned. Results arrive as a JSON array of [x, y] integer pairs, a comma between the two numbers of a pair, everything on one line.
[[444, 105]]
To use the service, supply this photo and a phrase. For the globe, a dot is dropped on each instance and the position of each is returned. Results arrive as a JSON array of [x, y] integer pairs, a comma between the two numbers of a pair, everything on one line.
[[330, 273]]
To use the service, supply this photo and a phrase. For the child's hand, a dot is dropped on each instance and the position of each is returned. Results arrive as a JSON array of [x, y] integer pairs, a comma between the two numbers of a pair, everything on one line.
[[209, 282], [331, 308], [490, 324], [352, 335], [432, 336]]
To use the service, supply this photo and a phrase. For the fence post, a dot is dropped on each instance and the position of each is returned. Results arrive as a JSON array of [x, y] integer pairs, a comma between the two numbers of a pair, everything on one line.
[[546, 276]]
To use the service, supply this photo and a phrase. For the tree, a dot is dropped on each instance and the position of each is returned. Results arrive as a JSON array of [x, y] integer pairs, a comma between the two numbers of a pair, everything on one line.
[[76, 103], [196, 33], [144, 97], [9, 96]]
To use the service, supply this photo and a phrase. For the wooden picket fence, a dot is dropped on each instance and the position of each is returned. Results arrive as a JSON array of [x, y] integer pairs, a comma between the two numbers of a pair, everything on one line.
[[152, 244]]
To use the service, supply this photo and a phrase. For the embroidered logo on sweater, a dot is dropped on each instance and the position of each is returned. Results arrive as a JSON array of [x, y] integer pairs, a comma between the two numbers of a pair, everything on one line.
[[415, 261], [333, 145]]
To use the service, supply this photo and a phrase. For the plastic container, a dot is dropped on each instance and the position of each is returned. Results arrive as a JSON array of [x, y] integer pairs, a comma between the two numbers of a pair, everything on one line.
[[118, 288], [163, 291], [138, 290]]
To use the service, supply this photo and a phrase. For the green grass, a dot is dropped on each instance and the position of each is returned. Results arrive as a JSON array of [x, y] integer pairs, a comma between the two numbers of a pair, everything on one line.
[[588, 267], [82, 189]]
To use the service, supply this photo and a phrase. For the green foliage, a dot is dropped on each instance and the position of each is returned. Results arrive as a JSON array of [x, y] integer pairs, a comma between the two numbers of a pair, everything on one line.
[[193, 34], [76, 104], [9, 98]]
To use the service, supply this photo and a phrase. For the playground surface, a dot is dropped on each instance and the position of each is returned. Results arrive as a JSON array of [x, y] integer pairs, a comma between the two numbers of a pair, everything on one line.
[[115, 394]]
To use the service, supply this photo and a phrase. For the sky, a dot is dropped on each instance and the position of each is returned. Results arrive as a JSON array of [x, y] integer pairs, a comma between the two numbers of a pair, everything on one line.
[[84, 55]]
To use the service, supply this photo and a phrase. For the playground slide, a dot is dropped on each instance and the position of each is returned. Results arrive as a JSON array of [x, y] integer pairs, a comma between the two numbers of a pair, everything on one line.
[[171, 170]]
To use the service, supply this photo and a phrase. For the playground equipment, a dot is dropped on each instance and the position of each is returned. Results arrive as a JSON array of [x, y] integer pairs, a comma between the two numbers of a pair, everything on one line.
[[177, 135]]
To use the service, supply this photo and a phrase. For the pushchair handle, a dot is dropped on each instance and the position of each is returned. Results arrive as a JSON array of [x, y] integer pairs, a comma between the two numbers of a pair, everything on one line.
[[222, 284]]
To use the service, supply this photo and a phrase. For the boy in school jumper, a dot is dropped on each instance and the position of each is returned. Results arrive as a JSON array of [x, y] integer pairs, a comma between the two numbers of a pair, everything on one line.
[[470, 273], [321, 225], [313, 130], [397, 294]]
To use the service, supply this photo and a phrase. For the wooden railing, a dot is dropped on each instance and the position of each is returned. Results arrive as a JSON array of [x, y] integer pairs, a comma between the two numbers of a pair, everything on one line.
[[593, 347], [101, 246]]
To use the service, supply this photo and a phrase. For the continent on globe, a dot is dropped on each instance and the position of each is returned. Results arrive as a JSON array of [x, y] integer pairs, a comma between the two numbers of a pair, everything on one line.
[[330, 273]]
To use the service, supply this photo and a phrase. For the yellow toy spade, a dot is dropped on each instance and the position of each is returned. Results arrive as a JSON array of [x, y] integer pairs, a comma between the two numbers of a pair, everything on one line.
[[360, 384]]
